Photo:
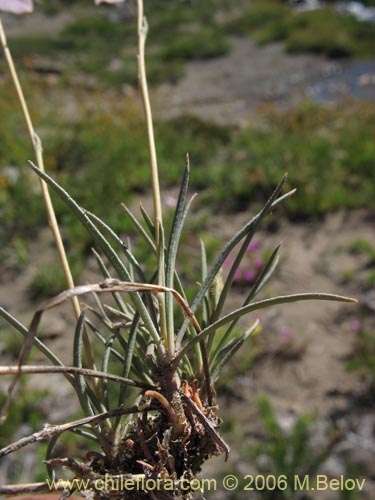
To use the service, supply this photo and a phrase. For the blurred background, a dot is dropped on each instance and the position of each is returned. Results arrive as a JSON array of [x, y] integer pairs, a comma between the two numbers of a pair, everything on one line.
[[251, 89]]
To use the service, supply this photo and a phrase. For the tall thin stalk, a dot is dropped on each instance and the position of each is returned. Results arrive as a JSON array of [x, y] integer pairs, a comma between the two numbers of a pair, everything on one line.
[[142, 29], [142, 35], [38, 151]]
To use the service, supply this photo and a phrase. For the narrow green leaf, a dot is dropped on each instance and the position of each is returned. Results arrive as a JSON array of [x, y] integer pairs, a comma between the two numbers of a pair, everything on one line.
[[131, 345], [139, 227], [147, 219], [219, 262], [101, 314], [227, 352], [80, 382], [238, 313], [203, 260], [104, 382], [133, 261], [125, 317], [106, 247], [106, 274], [23, 330], [177, 225], [249, 236], [186, 370], [103, 340], [105, 320], [152, 246], [261, 280], [132, 342], [174, 239], [137, 365], [130, 360], [264, 275]]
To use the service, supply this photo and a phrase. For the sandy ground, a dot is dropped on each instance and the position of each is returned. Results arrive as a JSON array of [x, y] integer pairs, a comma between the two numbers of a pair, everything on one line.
[[230, 88]]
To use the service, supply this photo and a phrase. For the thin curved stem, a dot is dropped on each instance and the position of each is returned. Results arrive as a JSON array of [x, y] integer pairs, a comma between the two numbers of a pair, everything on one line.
[[52, 221], [142, 35]]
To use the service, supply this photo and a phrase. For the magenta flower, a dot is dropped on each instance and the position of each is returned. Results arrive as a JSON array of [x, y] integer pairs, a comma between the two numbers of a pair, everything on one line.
[[237, 275], [17, 6], [356, 325], [258, 264], [253, 245], [249, 275]]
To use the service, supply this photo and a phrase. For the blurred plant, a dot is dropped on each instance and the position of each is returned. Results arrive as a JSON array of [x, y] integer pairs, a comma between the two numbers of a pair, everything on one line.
[[24, 417], [324, 30], [205, 44], [362, 359], [27, 408], [290, 453], [154, 415], [251, 266], [364, 270], [308, 136], [22, 6], [362, 246], [49, 280], [114, 138]]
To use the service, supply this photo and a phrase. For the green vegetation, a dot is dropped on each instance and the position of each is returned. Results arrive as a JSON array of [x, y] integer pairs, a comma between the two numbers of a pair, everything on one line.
[[49, 280], [25, 414], [197, 353], [287, 454], [266, 21], [205, 44], [362, 359], [97, 45], [366, 251], [26, 409], [322, 31], [328, 153], [362, 246], [281, 453]]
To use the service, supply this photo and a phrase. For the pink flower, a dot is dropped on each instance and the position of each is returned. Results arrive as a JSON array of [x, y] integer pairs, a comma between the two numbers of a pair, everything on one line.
[[253, 245], [356, 325], [258, 264], [237, 275], [249, 275], [16, 6], [170, 201]]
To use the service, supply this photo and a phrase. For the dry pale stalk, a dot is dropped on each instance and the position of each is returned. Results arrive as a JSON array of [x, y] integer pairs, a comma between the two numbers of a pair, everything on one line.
[[51, 216]]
